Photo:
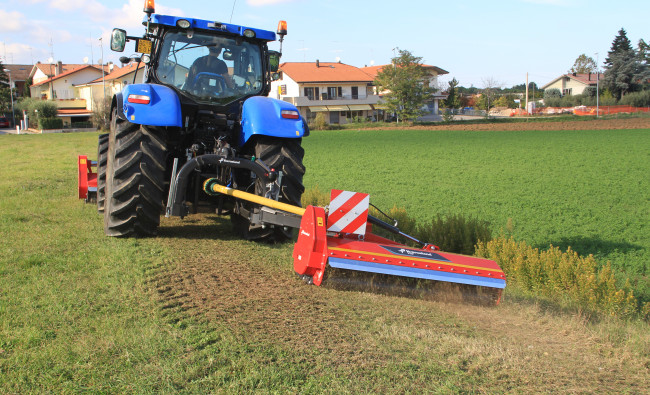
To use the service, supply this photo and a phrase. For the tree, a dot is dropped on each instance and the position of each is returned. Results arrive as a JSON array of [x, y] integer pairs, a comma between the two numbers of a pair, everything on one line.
[[453, 99], [583, 65], [5, 92], [407, 85], [488, 93], [643, 59], [621, 67]]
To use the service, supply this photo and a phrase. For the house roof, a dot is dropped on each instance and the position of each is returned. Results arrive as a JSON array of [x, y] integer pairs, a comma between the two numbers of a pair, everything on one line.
[[586, 79], [131, 67], [50, 69], [323, 72], [19, 72], [65, 74], [372, 71]]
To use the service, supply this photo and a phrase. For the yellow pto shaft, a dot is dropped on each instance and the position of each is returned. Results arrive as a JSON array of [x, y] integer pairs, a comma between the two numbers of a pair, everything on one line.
[[211, 186]]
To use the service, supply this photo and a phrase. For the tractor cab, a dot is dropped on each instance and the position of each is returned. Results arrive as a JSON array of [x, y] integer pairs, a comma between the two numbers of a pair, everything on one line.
[[208, 62]]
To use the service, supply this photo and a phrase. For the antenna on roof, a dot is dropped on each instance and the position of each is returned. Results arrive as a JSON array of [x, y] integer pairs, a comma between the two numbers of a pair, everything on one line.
[[233, 10]]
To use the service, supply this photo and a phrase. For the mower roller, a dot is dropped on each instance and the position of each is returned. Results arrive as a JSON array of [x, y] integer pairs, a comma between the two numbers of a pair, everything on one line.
[[339, 239]]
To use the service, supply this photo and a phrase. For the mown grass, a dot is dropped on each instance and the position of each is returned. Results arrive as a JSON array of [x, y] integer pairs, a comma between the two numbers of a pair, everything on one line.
[[80, 312], [584, 189]]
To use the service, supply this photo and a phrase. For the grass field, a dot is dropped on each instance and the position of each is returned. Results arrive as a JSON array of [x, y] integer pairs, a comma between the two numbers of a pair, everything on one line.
[[196, 311], [584, 189]]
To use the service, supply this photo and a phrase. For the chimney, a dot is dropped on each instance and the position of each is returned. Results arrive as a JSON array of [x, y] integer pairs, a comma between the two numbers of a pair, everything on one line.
[[317, 63], [59, 68]]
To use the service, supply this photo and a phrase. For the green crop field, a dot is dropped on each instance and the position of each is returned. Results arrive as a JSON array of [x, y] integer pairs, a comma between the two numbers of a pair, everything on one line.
[[586, 189], [196, 310]]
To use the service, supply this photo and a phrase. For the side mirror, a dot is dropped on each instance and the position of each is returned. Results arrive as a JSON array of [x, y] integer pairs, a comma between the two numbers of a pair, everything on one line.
[[274, 61], [227, 55], [118, 40]]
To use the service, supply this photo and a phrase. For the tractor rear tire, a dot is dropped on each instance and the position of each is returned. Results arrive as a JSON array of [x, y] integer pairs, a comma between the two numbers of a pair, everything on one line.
[[102, 154], [284, 155], [135, 184]]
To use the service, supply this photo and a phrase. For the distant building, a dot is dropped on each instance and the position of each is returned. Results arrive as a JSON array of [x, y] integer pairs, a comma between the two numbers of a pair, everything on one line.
[[573, 83], [340, 91], [19, 75]]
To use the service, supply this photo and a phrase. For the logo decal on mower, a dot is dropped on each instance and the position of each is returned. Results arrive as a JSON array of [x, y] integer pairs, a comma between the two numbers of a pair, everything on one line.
[[413, 253]]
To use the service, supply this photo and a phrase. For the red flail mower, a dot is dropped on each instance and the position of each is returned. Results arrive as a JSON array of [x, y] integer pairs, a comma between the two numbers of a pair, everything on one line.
[[336, 246]]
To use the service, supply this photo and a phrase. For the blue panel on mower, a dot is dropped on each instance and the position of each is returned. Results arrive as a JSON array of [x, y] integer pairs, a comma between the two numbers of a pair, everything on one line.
[[271, 117], [151, 104], [211, 25], [425, 274]]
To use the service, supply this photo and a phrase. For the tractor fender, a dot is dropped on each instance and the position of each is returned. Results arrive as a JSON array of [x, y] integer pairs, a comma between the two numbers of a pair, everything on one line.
[[151, 104], [263, 116], [117, 102]]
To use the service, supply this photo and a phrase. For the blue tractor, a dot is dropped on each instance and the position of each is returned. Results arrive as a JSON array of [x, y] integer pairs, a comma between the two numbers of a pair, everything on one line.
[[201, 112]]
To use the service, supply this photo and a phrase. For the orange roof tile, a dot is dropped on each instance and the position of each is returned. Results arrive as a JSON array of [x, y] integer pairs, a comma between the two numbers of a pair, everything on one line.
[[324, 72]]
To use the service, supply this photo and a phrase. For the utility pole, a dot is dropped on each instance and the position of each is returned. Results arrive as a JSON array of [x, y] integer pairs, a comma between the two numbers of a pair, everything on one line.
[[597, 88], [527, 93], [101, 45]]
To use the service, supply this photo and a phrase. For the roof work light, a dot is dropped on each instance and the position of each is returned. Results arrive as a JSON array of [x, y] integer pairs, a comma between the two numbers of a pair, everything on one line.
[[149, 6]]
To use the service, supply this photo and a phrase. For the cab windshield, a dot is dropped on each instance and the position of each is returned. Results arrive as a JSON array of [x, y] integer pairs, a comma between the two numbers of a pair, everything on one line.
[[210, 68]]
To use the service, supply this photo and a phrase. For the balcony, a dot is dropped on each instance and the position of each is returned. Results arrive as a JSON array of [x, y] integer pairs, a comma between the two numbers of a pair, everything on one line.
[[324, 100]]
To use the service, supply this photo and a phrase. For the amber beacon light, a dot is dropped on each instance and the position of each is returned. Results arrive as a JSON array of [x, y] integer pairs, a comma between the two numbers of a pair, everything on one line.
[[149, 6], [282, 28]]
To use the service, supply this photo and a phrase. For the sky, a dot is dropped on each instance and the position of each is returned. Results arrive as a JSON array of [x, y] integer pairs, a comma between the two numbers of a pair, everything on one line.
[[477, 42]]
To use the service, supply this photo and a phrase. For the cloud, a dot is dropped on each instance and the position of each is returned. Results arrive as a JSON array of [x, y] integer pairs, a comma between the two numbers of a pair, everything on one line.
[[11, 21], [259, 3]]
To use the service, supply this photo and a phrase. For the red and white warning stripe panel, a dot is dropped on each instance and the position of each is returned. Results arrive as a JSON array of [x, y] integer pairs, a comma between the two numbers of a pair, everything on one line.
[[348, 212]]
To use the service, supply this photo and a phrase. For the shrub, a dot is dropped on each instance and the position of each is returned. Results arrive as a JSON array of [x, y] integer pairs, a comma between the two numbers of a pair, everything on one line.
[[44, 108], [636, 99], [447, 116], [50, 123], [589, 91], [552, 94], [565, 277], [315, 197], [319, 123], [101, 117], [455, 233]]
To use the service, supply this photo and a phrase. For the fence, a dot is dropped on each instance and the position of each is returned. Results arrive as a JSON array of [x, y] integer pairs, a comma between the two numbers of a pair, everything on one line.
[[591, 110]]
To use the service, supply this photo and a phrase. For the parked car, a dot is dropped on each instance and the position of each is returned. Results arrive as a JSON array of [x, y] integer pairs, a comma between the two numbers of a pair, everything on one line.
[[4, 122]]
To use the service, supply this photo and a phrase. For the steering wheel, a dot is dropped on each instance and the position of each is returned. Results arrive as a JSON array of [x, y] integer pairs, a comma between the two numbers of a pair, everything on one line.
[[202, 82]]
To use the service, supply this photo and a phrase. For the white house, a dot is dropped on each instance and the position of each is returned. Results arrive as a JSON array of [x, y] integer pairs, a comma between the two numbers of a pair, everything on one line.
[[60, 86], [341, 91], [93, 92], [573, 83]]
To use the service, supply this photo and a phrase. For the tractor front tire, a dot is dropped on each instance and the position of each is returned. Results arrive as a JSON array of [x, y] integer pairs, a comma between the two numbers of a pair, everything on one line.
[[135, 172], [284, 155]]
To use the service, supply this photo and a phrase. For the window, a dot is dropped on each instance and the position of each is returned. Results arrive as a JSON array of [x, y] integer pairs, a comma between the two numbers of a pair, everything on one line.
[[355, 92], [334, 91], [311, 93], [566, 92]]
